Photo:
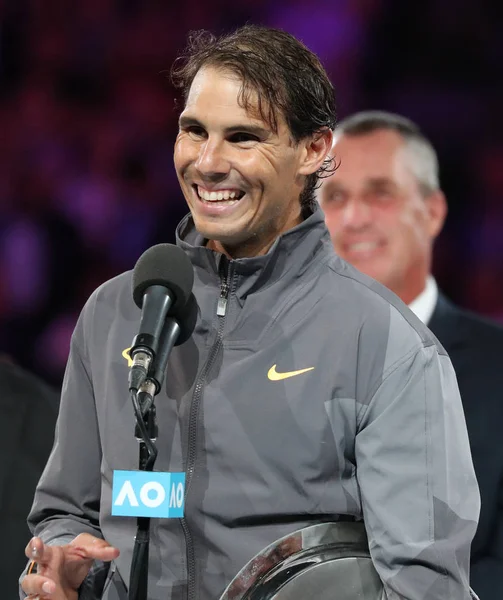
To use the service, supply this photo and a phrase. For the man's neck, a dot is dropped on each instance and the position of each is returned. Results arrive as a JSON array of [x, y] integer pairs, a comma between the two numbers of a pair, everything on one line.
[[254, 246], [246, 250]]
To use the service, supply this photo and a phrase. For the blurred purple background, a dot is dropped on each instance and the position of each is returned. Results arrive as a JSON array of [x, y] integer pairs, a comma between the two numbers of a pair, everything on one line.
[[88, 120]]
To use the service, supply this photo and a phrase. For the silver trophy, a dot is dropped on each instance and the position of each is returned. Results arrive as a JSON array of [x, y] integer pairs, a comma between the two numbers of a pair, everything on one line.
[[329, 561]]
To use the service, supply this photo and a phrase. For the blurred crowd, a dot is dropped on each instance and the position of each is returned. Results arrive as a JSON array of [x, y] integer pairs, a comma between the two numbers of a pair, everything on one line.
[[88, 119]]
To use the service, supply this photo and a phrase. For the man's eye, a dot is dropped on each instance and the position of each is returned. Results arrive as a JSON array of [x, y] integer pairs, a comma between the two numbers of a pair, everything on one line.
[[195, 132], [243, 136], [382, 195], [335, 197]]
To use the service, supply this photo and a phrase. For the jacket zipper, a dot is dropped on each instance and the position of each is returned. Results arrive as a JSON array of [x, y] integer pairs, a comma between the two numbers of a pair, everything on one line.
[[224, 273]]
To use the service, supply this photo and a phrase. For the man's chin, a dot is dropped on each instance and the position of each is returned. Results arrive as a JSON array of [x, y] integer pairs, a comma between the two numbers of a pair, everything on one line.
[[221, 235], [371, 270]]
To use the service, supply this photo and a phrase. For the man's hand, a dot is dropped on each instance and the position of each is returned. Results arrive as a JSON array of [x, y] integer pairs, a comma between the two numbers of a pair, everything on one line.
[[62, 569]]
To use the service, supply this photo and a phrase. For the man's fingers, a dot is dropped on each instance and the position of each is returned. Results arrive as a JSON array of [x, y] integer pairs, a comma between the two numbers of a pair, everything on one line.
[[97, 552], [38, 551], [33, 548], [63, 566], [38, 585], [90, 547], [106, 554], [83, 548]]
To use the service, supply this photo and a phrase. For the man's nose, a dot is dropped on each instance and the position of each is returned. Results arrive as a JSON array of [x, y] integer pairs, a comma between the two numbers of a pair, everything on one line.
[[211, 161], [356, 214]]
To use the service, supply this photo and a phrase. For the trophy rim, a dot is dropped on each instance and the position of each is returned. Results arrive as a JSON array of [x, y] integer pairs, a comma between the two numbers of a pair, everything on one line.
[[296, 550]]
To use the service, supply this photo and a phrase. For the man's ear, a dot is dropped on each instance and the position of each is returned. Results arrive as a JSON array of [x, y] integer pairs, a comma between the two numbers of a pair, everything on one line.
[[316, 148], [437, 211]]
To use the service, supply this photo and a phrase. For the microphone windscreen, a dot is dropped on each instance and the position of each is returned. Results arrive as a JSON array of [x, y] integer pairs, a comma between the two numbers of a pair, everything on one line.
[[166, 265]]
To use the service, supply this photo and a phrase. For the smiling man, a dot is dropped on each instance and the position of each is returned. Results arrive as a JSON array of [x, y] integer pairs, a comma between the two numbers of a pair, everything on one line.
[[383, 205], [307, 393]]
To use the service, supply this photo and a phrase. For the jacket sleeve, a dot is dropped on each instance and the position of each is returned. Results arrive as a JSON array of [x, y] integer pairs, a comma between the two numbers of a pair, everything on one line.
[[67, 498], [419, 493]]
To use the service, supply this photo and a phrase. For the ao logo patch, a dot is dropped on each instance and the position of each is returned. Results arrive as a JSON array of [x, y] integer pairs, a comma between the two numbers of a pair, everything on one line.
[[148, 494]]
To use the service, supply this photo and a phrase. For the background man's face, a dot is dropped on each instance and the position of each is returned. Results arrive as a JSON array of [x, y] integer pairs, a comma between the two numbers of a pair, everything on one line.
[[240, 178], [377, 217]]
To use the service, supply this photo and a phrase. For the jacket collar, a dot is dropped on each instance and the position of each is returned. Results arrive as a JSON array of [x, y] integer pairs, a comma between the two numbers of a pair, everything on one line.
[[291, 254]]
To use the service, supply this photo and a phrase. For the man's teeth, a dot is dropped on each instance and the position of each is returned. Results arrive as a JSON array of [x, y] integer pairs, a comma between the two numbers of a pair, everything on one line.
[[215, 196], [363, 246]]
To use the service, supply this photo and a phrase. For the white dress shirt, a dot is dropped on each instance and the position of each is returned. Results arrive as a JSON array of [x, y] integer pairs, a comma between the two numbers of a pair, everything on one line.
[[424, 305]]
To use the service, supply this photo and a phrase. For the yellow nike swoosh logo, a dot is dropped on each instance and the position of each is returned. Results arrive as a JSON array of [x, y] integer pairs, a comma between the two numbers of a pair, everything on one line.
[[273, 375], [127, 356]]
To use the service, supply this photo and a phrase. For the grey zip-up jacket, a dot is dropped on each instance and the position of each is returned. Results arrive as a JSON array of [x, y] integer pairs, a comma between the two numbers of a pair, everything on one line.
[[313, 394]]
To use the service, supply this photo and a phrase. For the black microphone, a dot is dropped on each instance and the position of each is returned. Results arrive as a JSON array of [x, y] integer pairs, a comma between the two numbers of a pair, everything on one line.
[[162, 283], [177, 330]]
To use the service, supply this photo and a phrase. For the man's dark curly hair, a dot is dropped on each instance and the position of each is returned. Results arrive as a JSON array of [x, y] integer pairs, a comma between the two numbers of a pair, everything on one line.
[[287, 78]]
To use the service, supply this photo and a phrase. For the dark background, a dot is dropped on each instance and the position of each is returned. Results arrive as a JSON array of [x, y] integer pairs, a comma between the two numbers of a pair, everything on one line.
[[88, 121]]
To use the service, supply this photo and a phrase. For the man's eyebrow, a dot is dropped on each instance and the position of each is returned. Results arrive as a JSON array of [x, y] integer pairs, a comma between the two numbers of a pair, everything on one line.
[[331, 187], [248, 128], [185, 121], [188, 121], [379, 181]]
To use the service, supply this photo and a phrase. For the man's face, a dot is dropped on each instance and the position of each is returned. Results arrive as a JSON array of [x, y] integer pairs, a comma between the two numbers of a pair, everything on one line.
[[241, 180], [377, 217]]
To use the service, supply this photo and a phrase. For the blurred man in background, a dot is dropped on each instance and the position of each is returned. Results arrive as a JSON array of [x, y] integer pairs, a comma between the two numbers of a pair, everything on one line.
[[28, 411], [384, 208]]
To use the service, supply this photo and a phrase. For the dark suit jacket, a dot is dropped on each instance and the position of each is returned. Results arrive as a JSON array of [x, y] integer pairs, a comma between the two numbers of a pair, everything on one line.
[[475, 346], [28, 411]]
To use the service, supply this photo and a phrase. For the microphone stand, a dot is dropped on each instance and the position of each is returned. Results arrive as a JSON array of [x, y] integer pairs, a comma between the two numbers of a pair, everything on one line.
[[146, 433]]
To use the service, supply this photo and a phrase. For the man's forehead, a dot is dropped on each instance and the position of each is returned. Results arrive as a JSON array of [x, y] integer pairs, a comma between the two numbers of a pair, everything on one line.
[[221, 84], [221, 90], [372, 152], [383, 139]]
